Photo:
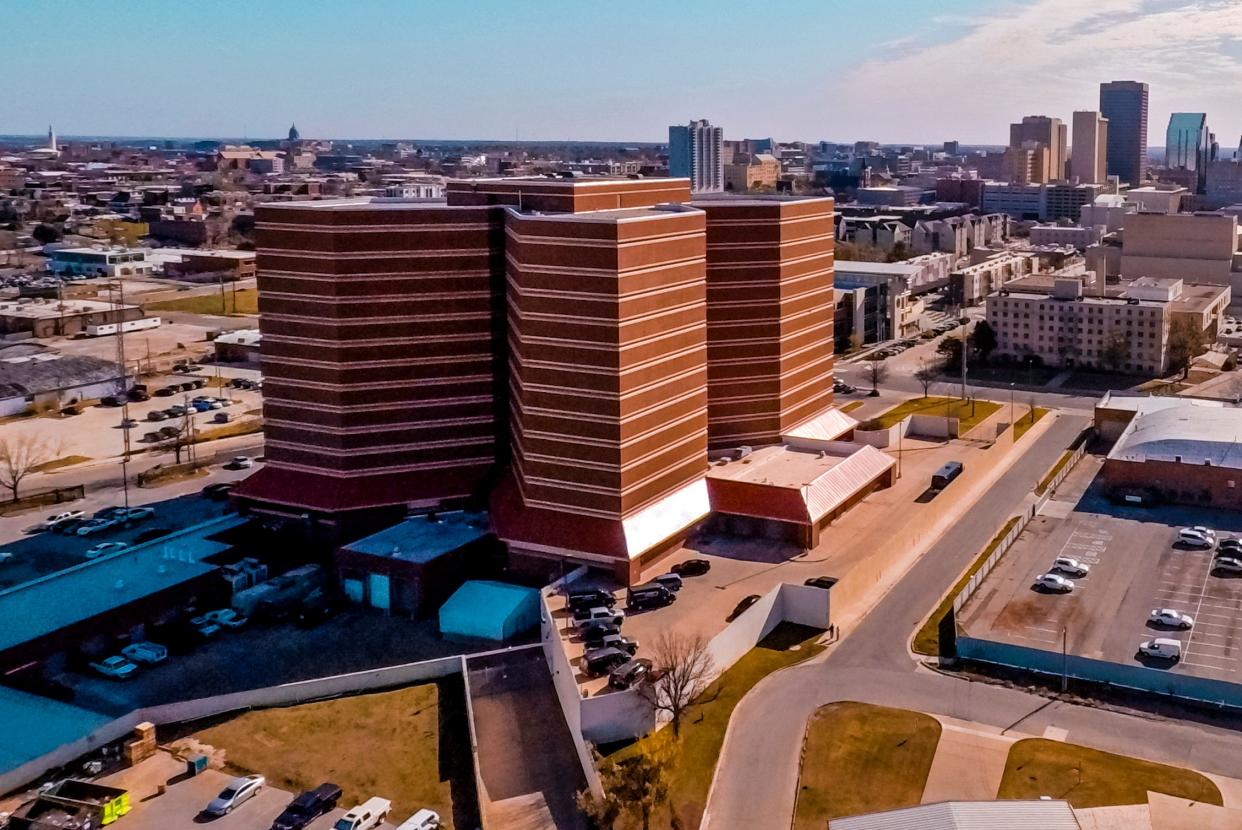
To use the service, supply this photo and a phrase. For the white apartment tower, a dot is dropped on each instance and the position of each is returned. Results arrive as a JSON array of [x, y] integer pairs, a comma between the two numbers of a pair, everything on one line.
[[695, 152]]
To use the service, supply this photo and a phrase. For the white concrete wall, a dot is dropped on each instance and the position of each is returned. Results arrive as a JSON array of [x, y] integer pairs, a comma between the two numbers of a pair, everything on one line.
[[936, 426], [882, 438]]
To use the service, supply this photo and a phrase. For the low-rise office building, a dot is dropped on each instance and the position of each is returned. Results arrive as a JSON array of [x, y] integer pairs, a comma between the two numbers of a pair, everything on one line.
[[50, 318], [1196, 247], [1077, 236], [968, 286], [99, 262], [1123, 328]]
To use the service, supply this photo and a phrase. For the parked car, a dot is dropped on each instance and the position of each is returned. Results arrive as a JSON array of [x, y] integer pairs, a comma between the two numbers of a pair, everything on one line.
[[649, 595], [104, 548], [741, 607], [204, 627], [145, 652], [422, 820], [58, 518], [236, 793], [1170, 618], [1054, 582], [157, 415], [692, 567], [600, 612], [167, 391], [600, 661], [218, 491], [1227, 565], [1071, 567], [307, 807], [201, 406], [138, 395], [366, 816], [824, 582], [69, 527], [169, 432], [1161, 648], [671, 581], [177, 411], [112, 400], [612, 640], [1197, 537], [320, 606], [1233, 547], [129, 423], [226, 617], [6, 556], [596, 629], [945, 475], [629, 673], [591, 598], [115, 667]]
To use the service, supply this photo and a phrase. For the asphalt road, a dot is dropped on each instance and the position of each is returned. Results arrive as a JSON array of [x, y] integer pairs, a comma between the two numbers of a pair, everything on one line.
[[756, 778]]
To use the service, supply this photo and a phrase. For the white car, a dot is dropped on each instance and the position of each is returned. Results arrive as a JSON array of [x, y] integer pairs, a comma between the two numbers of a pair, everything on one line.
[[5, 556], [422, 820], [1163, 648], [371, 813], [116, 667], [1197, 537], [226, 617], [94, 526], [241, 462], [237, 793], [1073, 567], [52, 521], [204, 626], [1054, 582], [147, 653], [1170, 618], [138, 514], [104, 548]]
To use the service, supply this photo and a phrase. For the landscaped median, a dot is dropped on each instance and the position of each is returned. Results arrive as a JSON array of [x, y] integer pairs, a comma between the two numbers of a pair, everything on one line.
[[927, 638], [695, 753], [1091, 778], [1027, 421], [970, 413], [859, 758]]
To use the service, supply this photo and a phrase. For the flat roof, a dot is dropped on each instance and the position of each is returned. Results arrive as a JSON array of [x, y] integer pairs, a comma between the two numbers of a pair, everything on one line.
[[777, 466], [39, 607], [898, 268], [38, 309], [611, 216], [1197, 432], [35, 726], [424, 538]]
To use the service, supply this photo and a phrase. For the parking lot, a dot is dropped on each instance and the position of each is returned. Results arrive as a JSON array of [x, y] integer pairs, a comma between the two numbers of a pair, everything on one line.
[[1137, 565]]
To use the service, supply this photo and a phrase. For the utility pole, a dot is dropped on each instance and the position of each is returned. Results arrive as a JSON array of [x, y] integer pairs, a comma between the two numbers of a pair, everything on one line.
[[117, 295], [1064, 660], [1012, 423], [965, 345]]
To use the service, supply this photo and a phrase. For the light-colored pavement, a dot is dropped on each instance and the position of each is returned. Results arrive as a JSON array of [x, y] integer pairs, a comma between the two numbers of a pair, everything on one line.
[[758, 770], [969, 763]]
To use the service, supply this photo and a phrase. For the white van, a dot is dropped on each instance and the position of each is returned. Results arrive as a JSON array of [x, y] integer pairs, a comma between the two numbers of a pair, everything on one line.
[[1164, 648], [365, 816]]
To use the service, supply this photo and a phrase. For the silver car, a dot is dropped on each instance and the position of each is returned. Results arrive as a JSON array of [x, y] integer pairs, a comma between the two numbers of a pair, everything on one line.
[[237, 793]]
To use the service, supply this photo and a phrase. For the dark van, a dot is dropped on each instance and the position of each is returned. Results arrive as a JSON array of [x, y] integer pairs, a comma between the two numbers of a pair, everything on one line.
[[603, 660], [942, 477], [649, 595], [590, 598]]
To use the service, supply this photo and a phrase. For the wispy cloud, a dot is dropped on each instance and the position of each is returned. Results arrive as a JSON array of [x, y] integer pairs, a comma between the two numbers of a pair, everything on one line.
[[1048, 57]]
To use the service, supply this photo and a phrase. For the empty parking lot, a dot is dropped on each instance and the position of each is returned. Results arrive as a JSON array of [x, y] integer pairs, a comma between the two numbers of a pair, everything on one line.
[[1136, 566]]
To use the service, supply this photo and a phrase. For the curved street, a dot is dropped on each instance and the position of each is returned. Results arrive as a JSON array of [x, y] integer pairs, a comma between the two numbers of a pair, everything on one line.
[[757, 774]]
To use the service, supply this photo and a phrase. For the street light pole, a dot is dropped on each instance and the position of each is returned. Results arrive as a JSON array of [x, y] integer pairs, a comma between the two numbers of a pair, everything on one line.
[[1064, 659], [1012, 423]]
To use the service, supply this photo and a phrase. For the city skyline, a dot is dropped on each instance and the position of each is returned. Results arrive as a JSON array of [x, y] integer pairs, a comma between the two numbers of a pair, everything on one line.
[[600, 88]]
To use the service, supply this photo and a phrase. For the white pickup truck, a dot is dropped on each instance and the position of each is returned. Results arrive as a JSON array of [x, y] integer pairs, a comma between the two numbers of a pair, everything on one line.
[[366, 816]]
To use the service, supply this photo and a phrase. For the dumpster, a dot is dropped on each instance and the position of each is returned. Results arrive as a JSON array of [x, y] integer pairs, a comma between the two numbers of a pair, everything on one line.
[[107, 803], [195, 764]]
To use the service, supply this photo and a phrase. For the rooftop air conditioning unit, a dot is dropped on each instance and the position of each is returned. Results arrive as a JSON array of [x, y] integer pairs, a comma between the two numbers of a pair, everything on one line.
[[742, 452]]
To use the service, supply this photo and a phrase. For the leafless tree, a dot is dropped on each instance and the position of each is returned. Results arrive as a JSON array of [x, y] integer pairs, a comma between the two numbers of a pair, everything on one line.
[[877, 371], [928, 372], [22, 453], [681, 669]]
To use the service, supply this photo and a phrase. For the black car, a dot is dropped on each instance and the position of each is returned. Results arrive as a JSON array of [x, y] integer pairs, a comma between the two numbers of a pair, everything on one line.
[[157, 415], [218, 491], [138, 395], [742, 606], [167, 391], [307, 807], [649, 595], [317, 608], [603, 660], [598, 629], [692, 567], [627, 674], [591, 598], [612, 640], [112, 400], [824, 582]]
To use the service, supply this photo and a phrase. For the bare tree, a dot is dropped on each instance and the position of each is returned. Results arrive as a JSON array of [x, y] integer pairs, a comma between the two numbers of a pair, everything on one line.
[[928, 372], [877, 371], [22, 453], [681, 669]]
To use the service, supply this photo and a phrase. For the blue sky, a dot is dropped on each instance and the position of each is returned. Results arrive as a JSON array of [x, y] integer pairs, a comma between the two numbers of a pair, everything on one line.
[[889, 70]]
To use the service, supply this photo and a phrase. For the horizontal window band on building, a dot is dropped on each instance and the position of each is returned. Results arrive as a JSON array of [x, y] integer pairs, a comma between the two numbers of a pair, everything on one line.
[[628, 417], [692, 437], [369, 255], [412, 383], [376, 470], [364, 342], [424, 296], [519, 268], [528, 292], [349, 322], [525, 239], [615, 321], [771, 244], [350, 280], [381, 428], [404, 228], [572, 369], [721, 280], [333, 452], [614, 348]]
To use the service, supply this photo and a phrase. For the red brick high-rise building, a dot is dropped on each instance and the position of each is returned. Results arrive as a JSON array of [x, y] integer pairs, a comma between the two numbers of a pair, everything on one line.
[[565, 348]]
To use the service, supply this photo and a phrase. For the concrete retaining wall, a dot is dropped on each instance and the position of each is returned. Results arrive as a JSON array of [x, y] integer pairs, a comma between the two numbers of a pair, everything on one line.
[[935, 426], [881, 438]]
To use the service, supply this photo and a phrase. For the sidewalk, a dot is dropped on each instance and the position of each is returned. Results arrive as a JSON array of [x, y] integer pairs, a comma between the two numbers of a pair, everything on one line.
[[969, 763]]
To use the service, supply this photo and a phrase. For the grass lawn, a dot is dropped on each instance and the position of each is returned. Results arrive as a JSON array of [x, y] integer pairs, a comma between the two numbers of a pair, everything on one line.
[[1027, 421], [247, 302], [702, 734], [1091, 778], [407, 745], [927, 638], [57, 463], [851, 406], [860, 758], [970, 413], [228, 431]]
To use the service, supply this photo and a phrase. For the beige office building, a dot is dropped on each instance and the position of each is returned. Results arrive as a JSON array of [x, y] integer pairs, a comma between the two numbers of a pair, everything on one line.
[[1090, 149], [1040, 131], [1197, 247]]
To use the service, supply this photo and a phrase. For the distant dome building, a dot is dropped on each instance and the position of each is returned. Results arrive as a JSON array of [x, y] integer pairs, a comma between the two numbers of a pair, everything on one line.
[[293, 133]]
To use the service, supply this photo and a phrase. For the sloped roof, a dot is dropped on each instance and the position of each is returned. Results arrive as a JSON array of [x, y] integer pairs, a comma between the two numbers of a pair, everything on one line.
[[968, 815], [1187, 434], [829, 425]]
